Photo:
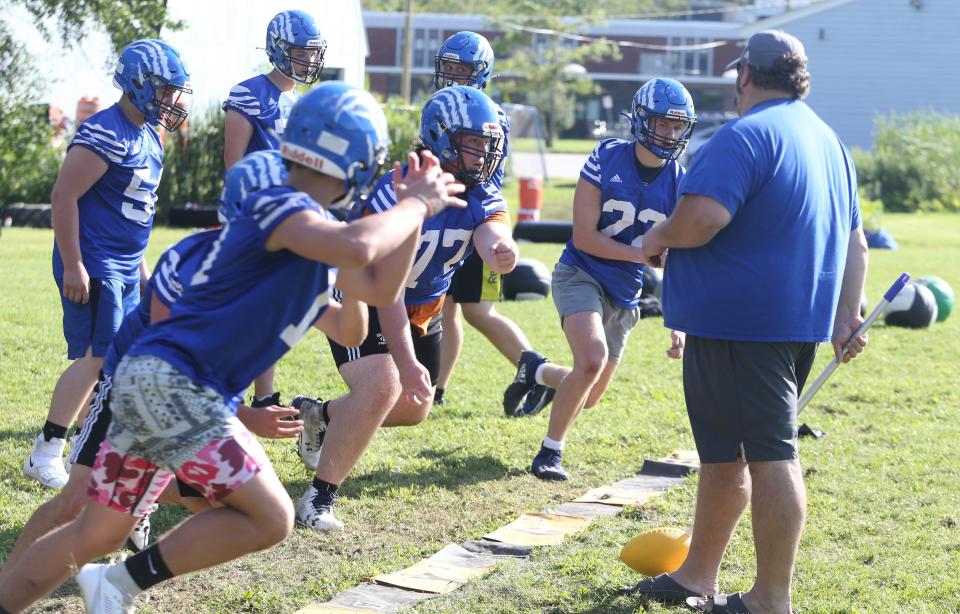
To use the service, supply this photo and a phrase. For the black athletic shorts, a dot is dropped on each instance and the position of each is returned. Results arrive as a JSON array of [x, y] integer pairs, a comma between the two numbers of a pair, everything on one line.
[[742, 397], [474, 282], [426, 347]]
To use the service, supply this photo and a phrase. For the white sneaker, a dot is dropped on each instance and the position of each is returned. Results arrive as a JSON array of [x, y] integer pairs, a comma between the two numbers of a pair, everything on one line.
[[317, 515], [99, 594], [310, 439], [139, 537], [45, 462]]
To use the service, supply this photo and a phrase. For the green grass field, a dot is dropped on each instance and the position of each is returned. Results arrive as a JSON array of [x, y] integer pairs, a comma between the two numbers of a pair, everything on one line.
[[584, 146], [883, 532]]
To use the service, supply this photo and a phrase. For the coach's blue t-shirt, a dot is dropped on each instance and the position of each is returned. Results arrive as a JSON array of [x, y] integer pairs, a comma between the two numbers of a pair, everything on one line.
[[774, 272]]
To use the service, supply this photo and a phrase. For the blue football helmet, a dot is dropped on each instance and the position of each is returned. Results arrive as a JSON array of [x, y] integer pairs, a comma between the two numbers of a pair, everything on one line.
[[257, 171], [294, 41], [656, 100], [338, 130], [453, 113], [467, 48], [157, 81]]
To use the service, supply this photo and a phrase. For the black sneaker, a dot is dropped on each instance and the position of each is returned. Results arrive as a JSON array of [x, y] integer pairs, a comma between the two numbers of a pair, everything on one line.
[[546, 465], [310, 439], [273, 399], [438, 397], [523, 382], [536, 400]]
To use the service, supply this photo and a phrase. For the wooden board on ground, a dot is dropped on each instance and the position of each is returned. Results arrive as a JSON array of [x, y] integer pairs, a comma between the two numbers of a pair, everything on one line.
[[538, 529], [442, 573]]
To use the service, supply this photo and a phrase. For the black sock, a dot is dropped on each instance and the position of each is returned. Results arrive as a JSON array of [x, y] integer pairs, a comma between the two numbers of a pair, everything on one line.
[[324, 488], [326, 415], [438, 396], [147, 567], [51, 430]]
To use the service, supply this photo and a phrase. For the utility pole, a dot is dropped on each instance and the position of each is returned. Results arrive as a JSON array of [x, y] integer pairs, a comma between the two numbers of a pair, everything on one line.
[[407, 53]]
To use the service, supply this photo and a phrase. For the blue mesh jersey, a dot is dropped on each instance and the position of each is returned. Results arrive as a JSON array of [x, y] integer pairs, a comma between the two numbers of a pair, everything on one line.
[[116, 214], [445, 239], [629, 208], [177, 263], [265, 107], [244, 307]]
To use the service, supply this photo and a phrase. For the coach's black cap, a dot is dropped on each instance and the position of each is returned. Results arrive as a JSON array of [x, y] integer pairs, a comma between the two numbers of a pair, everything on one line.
[[766, 47]]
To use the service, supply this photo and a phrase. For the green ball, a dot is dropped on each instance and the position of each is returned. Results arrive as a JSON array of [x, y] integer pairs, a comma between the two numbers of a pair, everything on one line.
[[942, 292]]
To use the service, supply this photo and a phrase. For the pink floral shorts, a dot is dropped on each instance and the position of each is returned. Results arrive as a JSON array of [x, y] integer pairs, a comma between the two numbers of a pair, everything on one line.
[[132, 484]]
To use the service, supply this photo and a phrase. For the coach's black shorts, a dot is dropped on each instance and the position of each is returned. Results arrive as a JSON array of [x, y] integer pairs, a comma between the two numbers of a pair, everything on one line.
[[742, 397], [474, 282], [426, 347]]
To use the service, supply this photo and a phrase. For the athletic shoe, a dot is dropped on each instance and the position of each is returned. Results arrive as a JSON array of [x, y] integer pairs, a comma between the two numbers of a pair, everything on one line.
[[315, 511], [139, 537], [99, 594], [45, 462], [536, 400], [67, 465], [523, 382], [273, 399], [438, 397], [310, 439], [546, 465]]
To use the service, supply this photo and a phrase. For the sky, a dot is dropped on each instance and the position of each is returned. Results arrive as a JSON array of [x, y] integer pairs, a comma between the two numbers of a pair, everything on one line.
[[222, 45]]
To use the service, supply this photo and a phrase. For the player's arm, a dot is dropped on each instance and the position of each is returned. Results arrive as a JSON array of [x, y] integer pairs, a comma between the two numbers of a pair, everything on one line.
[[586, 236], [381, 282], [80, 171], [237, 132], [345, 322], [494, 244], [425, 191], [414, 377]]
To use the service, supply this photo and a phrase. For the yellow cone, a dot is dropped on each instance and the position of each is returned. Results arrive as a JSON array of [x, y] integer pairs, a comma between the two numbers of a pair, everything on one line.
[[657, 551]]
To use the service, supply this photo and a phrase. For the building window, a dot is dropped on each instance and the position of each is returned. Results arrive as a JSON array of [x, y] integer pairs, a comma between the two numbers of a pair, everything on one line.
[[694, 62], [426, 41]]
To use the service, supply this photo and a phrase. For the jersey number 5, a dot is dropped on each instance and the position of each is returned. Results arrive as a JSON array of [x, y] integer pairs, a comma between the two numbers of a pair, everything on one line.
[[141, 209], [628, 212]]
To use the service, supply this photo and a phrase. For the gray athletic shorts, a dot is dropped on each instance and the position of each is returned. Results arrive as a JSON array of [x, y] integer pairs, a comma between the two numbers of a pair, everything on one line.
[[162, 415], [742, 397], [575, 291]]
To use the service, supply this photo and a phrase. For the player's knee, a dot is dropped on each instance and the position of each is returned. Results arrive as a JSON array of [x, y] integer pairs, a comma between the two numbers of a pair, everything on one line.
[[277, 525], [590, 363]]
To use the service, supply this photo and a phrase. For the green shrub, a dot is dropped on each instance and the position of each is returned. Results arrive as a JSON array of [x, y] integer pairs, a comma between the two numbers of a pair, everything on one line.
[[913, 165], [192, 164], [29, 162], [403, 121]]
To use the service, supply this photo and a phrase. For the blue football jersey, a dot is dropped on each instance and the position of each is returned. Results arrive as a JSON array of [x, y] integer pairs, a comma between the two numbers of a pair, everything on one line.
[[177, 262], [265, 107], [116, 214], [629, 208], [244, 307], [445, 239]]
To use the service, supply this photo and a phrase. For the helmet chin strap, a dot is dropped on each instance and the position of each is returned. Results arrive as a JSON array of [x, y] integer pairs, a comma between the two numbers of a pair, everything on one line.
[[344, 201]]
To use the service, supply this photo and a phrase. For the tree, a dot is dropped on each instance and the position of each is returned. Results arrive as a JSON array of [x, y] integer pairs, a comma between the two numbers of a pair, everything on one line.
[[543, 67], [124, 20]]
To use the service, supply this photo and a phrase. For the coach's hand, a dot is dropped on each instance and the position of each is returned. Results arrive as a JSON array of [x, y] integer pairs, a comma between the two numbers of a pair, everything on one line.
[[76, 283], [843, 328], [677, 340], [426, 181], [272, 422]]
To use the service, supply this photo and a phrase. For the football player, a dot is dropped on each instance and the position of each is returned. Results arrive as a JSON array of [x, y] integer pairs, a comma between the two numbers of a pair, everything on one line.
[[257, 111], [402, 350], [103, 204], [466, 58], [172, 271], [625, 188], [174, 394]]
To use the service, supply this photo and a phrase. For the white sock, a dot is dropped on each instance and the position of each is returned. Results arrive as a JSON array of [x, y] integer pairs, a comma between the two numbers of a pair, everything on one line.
[[121, 578], [538, 374], [553, 444]]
